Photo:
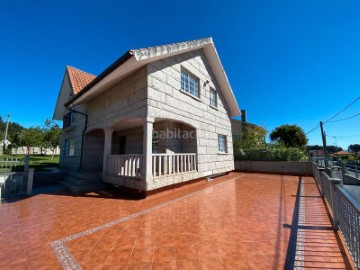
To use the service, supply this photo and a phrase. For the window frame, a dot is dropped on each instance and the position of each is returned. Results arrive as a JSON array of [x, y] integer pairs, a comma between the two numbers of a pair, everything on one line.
[[187, 89], [212, 90], [70, 147], [222, 149], [69, 120]]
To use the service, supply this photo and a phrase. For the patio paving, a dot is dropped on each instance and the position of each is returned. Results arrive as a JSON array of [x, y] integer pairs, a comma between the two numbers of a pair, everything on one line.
[[237, 221]]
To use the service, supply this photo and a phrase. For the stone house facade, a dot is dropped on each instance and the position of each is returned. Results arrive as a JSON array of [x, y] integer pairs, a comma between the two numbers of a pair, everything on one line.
[[158, 116]]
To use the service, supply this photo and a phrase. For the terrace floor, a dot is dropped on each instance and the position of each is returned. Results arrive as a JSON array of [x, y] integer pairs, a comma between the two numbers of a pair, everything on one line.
[[237, 221]]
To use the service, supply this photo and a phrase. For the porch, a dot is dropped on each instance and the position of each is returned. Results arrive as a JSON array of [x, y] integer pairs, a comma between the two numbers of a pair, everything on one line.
[[162, 165], [145, 154]]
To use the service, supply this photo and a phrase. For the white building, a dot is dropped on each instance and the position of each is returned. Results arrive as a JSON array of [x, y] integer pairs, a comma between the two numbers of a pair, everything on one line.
[[157, 116]]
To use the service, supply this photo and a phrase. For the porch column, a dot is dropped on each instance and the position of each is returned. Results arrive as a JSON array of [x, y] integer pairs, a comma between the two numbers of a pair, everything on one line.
[[147, 149], [107, 147]]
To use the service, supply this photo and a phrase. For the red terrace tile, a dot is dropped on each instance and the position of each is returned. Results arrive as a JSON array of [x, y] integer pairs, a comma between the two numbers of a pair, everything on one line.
[[142, 255], [165, 265], [118, 255], [164, 254], [226, 224], [188, 264]]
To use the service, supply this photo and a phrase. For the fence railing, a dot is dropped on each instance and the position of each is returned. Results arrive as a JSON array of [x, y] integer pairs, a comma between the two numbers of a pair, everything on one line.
[[345, 210], [124, 165], [167, 164], [350, 168], [348, 215], [10, 164]]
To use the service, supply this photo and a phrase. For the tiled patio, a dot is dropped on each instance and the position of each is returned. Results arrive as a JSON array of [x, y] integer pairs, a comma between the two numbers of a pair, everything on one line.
[[238, 221]]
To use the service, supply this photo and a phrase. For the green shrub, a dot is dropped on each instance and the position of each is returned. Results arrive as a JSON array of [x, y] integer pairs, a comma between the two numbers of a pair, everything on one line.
[[274, 152]]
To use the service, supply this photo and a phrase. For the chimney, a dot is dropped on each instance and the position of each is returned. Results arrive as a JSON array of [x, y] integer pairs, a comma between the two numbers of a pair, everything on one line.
[[243, 115]]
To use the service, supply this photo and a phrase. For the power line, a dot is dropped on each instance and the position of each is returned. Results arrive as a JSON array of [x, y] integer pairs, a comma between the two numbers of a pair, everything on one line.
[[350, 136], [344, 118], [313, 129], [342, 110], [317, 126]]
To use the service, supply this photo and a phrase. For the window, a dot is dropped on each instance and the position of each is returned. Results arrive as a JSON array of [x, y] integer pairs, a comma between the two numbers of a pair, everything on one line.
[[189, 84], [213, 97], [69, 120], [70, 147], [222, 145]]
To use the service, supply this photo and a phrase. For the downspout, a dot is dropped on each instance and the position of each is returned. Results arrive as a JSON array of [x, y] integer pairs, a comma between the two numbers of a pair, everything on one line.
[[82, 136]]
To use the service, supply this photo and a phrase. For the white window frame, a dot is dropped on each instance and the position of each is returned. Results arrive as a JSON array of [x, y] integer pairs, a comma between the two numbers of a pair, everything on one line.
[[215, 99], [222, 144], [186, 80], [70, 147]]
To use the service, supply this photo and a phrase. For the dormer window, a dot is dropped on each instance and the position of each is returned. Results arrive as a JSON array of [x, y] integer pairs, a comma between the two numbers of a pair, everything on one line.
[[189, 83], [69, 120]]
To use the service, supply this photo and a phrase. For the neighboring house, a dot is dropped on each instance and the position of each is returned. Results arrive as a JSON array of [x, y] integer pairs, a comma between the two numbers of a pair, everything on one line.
[[238, 127], [342, 154], [317, 153], [156, 117]]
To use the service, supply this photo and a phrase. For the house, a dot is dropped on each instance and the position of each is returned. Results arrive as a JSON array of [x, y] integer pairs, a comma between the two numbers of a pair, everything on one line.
[[239, 127], [156, 117]]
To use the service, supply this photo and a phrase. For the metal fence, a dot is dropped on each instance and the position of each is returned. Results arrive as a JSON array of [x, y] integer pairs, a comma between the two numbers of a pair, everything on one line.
[[350, 168], [8, 165], [344, 209], [15, 177], [349, 222]]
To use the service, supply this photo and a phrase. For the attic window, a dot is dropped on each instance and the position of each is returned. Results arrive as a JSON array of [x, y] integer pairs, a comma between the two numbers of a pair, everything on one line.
[[189, 83], [69, 120]]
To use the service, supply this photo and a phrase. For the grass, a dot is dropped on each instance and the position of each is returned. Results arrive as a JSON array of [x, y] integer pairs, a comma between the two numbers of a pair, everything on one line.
[[38, 162]]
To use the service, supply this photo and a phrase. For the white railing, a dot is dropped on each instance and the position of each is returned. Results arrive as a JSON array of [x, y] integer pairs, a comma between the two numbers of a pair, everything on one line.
[[9, 164], [166, 164], [124, 165]]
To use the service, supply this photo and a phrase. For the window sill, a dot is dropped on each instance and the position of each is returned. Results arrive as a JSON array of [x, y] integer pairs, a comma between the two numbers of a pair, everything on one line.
[[213, 107], [186, 93], [69, 127], [222, 153]]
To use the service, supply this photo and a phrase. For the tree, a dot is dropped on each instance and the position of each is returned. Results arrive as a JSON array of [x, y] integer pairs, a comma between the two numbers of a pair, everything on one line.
[[354, 148], [290, 136], [31, 137], [52, 135]]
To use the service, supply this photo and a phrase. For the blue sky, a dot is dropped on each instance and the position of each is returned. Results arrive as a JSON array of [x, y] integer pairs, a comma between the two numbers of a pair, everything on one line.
[[288, 62]]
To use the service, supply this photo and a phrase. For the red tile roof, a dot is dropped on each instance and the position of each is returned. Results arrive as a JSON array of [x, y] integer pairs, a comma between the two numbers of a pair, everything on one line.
[[78, 78], [343, 153]]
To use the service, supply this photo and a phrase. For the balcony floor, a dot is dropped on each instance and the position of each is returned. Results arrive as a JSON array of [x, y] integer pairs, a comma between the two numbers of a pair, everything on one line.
[[238, 221]]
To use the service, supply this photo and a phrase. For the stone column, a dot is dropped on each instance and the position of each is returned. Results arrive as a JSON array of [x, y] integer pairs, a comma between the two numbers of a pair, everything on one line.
[[147, 149], [107, 147]]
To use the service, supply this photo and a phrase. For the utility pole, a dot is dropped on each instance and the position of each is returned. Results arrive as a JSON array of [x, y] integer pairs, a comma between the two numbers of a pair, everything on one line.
[[6, 130], [323, 136]]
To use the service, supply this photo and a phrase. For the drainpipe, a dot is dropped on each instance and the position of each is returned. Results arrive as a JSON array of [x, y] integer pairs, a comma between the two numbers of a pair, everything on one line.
[[82, 136]]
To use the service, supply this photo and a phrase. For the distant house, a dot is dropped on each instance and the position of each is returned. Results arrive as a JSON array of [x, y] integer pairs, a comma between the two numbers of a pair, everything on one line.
[[342, 154], [157, 116], [239, 126], [317, 153]]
